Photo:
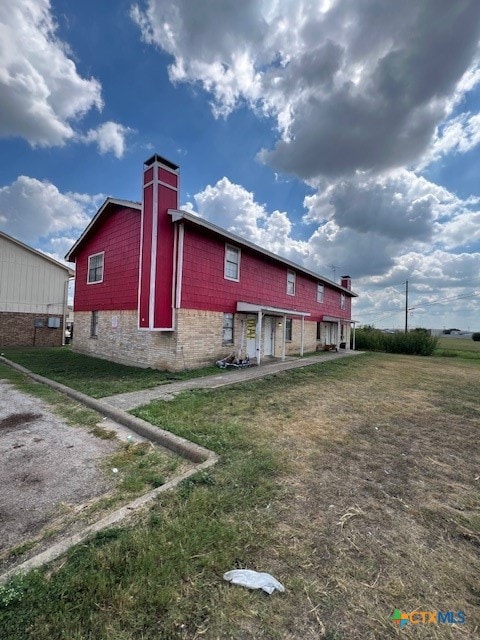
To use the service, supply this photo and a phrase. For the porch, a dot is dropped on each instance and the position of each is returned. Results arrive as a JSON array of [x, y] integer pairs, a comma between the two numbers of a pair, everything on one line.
[[263, 327]]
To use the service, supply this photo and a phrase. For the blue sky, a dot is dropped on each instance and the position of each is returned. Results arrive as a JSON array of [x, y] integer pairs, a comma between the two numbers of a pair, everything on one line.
[[342, 135]]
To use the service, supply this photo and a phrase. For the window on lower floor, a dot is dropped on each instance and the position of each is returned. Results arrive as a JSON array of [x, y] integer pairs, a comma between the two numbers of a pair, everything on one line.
[[94, 325], [319, 330], [288, 329], [227, 330]]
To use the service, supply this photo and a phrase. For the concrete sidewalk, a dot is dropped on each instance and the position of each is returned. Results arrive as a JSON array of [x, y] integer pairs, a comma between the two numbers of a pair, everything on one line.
[[127, 401]]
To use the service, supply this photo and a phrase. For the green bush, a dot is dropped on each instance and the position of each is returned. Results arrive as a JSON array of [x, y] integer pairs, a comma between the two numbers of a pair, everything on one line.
[[368, 339], [413, 343], [476, 336]]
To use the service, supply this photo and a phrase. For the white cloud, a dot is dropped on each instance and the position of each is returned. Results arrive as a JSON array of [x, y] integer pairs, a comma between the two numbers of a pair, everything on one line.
[[381, 254], [41, 91], [457, 135], [444, 291], [352, 86], [37, 213], [232, 207], [110, 137]]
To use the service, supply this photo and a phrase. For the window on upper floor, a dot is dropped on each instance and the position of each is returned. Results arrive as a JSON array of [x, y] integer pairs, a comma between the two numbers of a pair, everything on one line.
[[232, 263], [227, 329], [291, 282], [320, 292], [288, 329], [342, 301], [95, 268]]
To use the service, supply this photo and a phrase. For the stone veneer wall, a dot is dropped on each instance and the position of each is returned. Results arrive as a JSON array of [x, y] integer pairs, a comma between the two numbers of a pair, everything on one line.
[[118, 337], [292, 347], [18, 330], [196, 342]]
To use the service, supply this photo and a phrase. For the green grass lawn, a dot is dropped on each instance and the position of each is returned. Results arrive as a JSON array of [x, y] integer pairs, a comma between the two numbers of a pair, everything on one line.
[[354, 482], [93, 376]]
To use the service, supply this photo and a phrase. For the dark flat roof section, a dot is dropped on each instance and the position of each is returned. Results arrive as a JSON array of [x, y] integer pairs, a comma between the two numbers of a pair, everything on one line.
[[162, 160]]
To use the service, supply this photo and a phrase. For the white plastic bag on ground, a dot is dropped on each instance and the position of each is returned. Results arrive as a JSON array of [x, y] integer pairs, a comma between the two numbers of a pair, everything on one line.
[[254, 580]]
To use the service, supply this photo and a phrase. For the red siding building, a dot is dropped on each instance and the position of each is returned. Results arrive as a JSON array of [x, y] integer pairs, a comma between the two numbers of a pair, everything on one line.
[[160, 287]]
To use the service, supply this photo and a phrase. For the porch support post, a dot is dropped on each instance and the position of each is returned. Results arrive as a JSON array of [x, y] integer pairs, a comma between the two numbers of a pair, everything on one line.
[[302, 335], [338, 334], [259, 337], [284, 336], [353, 341]]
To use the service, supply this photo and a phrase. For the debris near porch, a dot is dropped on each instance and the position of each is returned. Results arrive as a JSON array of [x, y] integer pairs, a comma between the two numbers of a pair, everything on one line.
[[236, 360], [328, 347]]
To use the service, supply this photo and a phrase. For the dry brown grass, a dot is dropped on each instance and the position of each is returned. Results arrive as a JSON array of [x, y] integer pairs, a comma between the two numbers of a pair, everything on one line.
[[381, 506], [375, 508]]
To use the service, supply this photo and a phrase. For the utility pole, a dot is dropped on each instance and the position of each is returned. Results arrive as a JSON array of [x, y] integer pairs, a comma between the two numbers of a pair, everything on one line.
[[406, 306]]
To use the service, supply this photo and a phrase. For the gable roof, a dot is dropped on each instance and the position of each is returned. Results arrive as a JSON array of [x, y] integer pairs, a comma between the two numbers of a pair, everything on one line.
[[36, 252], [178, 215], [109, 202]]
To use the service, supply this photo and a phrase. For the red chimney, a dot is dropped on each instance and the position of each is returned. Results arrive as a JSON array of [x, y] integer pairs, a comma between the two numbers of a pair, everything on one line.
[[346, 282], [160, 193]]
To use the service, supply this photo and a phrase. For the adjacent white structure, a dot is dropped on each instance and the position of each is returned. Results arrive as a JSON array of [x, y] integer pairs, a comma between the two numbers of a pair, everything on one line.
[[33, 296]]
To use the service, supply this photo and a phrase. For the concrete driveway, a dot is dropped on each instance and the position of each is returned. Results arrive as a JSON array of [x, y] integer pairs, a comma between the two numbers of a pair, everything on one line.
[[45, 463]]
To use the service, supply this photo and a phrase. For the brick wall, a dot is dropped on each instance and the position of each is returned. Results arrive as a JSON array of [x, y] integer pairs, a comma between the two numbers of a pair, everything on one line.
[[118, 337], [197, 341], [18, 330]]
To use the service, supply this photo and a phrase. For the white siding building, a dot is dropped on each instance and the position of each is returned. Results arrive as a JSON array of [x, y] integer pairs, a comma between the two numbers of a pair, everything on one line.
[[33, 296]]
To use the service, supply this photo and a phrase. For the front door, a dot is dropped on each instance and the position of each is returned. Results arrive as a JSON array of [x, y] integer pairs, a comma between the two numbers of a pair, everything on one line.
[[268, 326], [331, 333]]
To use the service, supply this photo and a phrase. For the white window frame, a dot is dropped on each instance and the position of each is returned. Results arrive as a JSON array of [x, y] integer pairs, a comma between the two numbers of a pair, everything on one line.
[[95, 255], [342, 301], [291, 282], [228, 324], [320, 292], [229, 247]]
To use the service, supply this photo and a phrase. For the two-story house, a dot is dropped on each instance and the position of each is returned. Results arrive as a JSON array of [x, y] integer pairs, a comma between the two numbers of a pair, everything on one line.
[[159, 287]]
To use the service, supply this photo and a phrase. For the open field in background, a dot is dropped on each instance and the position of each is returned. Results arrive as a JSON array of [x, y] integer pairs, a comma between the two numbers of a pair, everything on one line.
[[458, 347], [355, 483]]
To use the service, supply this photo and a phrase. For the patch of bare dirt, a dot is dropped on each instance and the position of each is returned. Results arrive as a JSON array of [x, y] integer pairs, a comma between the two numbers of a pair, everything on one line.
[[16, 421], [45, 464]]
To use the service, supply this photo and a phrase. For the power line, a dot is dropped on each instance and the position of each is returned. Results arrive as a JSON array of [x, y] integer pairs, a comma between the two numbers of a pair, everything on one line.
[[472, 294], [379, 318]]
